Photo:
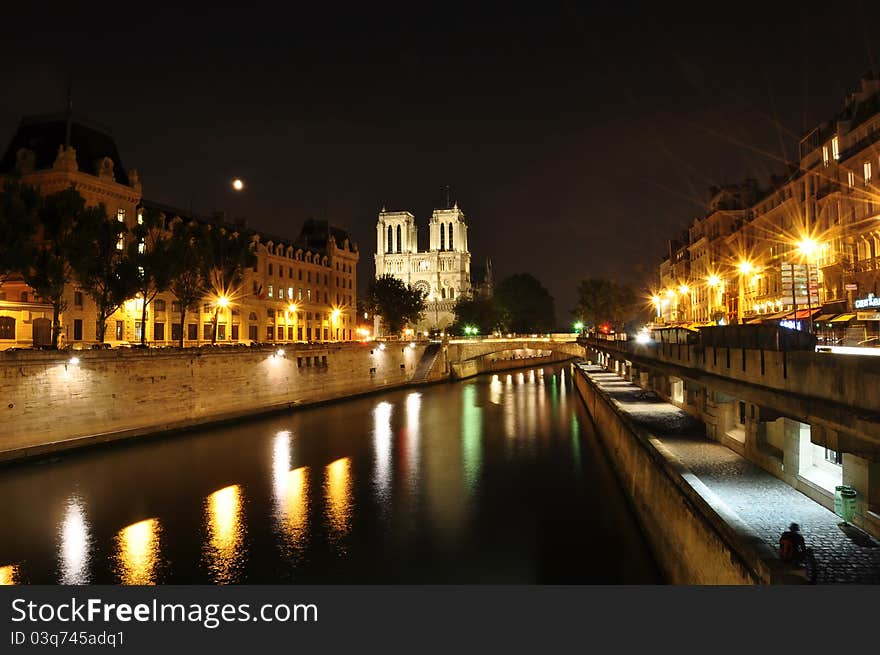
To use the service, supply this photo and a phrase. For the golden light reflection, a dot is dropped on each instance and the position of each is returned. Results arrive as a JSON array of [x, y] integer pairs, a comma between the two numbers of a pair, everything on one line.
[[224, 550], [495, 390], [382, 447], [337, 489], [137, 553], [292, 507], [9, 575], [413, 433], [75, 543]]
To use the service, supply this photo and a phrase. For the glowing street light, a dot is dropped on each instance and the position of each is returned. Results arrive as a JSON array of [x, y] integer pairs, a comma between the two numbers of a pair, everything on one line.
[[744, 267], [714, 281], [238, 184], [578, 326], [808, 247], [222, 301]]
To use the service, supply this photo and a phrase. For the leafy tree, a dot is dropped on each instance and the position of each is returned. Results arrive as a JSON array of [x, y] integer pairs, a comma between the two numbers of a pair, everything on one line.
[[226, 255], [525, 304], [186, 249], [103, 268], [482, 313], [149, 251], [395, 302], [604, 301], [19, 209]]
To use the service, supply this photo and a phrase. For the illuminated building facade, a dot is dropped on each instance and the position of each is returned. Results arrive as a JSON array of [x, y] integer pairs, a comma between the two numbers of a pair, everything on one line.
[[443, 272], [301, 289], [806, 244]]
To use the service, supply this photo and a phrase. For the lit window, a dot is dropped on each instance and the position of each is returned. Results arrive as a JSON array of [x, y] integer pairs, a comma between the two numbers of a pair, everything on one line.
[[120, 215], [825, 155], [142, 247], [867, 172], [835, 148], [270, 292], [290, 292], [120, 245], [851, 178], [140, 216]]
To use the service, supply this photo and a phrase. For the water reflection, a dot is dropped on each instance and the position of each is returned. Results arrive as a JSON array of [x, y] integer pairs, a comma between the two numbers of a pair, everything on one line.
[[337, 489], [280, 462], [471, 434], [495, 390], [224, 550], [292, 509], [9, 575], [75, 540], [137, 553], [413, 435], [382, 448]]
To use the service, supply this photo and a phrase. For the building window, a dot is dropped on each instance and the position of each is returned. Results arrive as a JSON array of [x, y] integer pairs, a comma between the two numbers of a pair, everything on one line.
[[280, 293], [138, 329], [140, 217], [120, 244], [280, 333], [221, 332], [833, 456], [206, 308], [450, 236], [158, 332], [77, 329], [175, 306], [252, 332], [280, 271], [290, 293], [176, 331], [270, 292], [308, 276], [442, 236], [192, 331], [120, 215], [835, 148], [388, 243], [851, 179], [399, 241], [207, 329], [7, 327], [825, 155], [77, 299], [159, 305], [299, 334], [270, 333], [120, 330], [270, 268], [142, 247], [867, 169]]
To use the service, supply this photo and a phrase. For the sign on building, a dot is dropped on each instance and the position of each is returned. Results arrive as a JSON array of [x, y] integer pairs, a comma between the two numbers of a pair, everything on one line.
[[795, 278]]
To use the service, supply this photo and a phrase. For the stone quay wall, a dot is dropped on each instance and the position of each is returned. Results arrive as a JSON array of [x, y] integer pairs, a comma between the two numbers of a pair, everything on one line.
[[692, 542], [51, 403]]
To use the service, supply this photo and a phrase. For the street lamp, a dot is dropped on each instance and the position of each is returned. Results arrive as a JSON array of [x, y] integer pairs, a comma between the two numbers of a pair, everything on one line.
[[808, 247], [578, 327], [685, 290], [744, 267], [714, 281], [238, 184]]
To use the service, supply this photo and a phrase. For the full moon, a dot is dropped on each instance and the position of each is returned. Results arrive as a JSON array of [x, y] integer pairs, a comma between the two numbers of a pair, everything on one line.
[[237, 184]]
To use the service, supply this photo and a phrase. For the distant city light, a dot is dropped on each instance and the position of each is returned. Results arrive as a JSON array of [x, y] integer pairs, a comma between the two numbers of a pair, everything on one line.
[[237, 184]]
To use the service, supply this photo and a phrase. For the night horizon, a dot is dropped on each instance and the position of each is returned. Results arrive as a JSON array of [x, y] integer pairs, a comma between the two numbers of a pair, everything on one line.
[[542, 125]]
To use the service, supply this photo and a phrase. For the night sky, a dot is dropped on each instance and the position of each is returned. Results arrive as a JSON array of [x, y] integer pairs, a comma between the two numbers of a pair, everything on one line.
[[577, 142]]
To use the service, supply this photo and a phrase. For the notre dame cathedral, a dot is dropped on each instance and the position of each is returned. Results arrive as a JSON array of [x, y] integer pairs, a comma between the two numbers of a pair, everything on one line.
[[442, 272]]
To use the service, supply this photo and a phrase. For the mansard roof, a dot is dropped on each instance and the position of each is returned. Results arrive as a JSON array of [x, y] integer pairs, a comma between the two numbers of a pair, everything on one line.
[[44, 133]]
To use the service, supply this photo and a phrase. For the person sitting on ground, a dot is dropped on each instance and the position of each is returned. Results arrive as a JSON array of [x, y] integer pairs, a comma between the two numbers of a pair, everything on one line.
[[793, 548]]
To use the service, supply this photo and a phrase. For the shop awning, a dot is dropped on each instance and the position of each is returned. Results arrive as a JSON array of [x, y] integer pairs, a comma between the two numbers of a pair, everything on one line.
[[823, 318], [842, 318], [757, 319]]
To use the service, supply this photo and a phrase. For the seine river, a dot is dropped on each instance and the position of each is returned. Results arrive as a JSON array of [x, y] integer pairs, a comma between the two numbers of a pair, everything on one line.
[[498, 479]]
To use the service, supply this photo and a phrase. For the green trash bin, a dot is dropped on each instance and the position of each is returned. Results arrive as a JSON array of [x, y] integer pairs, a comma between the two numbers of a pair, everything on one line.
[[845, 502]]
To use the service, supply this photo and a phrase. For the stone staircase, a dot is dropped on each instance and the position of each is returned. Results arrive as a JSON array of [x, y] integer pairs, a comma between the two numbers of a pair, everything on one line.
[[426, 364]]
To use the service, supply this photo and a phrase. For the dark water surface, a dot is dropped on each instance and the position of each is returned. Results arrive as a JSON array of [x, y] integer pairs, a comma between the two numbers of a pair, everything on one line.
[[493, 480]]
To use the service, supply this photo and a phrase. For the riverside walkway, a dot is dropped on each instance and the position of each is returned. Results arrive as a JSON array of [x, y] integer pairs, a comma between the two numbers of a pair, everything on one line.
[[767, 505]]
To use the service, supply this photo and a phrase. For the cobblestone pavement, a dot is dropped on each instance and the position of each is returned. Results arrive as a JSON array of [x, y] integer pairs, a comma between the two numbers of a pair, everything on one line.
[[844, 553]]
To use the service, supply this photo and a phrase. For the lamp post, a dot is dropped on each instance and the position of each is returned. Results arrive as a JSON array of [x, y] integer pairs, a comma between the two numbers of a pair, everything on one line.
[[685, 290], [713, 282], [221, 302], [807, 247], [744, 267]]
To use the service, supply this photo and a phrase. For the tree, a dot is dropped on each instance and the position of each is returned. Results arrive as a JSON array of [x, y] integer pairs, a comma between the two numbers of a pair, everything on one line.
[[186, 249], [149, 251], [395, 302], [525, 304], [604, 301], [19, 210], [226, 254], [101, 264], [48, 253], [482, 313]]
